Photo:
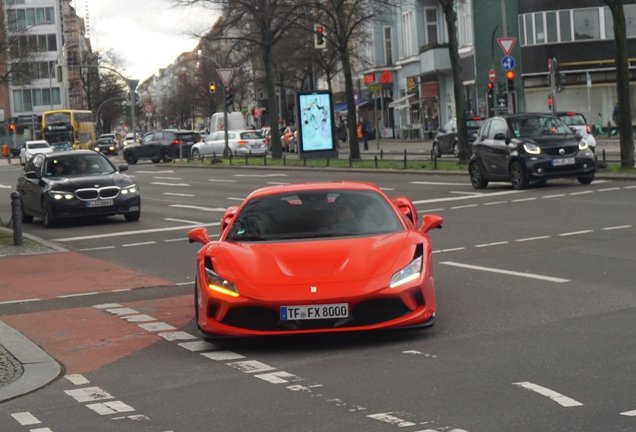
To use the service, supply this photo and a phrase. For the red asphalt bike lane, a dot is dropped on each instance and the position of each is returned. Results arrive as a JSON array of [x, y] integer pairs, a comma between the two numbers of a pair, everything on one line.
[[84, 339]]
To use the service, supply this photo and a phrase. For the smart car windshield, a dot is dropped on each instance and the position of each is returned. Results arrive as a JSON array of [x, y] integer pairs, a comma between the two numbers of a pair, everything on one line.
[[538, 126], [313, 215]]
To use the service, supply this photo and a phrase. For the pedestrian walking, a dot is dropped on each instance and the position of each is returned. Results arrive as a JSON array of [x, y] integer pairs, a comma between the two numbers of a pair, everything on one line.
[[363, 131]]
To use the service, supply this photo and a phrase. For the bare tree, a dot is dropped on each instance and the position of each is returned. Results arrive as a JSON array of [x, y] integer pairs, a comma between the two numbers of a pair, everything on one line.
[[448, 6], [624, 119]]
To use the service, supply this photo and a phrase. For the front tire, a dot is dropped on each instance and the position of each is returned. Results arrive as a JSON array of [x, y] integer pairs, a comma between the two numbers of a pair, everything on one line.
[[477, 178], [518, 176], [130, 158], [132, 216], [196, 155], [585, 180]]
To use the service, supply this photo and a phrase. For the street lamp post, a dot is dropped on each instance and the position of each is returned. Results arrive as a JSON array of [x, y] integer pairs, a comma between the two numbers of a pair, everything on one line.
[[51, 72]]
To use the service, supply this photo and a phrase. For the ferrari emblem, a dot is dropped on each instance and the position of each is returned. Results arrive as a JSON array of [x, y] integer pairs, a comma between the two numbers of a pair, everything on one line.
[[313, 289]]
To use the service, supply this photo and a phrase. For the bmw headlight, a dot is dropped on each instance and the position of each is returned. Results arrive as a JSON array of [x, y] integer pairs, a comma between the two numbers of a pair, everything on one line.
[[532, 148], [111, 148], [61, 195], [129, 189], [583, 145], [407, 274], [218, 284]]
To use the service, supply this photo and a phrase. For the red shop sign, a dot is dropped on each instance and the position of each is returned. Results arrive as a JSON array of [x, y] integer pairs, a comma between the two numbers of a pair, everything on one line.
[[386, 77], [369, 78]]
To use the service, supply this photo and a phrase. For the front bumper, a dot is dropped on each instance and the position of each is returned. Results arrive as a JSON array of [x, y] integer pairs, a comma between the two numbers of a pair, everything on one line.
[[542, 167], [74, 208]]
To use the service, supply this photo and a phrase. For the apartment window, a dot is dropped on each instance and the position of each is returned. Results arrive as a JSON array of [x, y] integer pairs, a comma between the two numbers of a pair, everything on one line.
[[30, 17], [51, 42], [609, 23], [565, 22], [586, 24], [529, 29], [430, 15], [630, 19], [388, 48], [522, 31], [551, 27], [407, 33], [15, 2], [49, 15], [539, 34], [465, 22], [37, 97]]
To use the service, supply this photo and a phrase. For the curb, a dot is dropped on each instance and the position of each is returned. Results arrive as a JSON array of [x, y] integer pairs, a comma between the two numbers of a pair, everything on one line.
[[39, 368]]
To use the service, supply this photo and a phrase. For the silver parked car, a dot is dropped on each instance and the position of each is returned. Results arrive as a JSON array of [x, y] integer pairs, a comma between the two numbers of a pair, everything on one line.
[[240, 143]]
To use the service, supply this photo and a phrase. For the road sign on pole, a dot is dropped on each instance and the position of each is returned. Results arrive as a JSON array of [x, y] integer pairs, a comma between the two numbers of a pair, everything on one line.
[[149, 108], [508, 63], [226, 75], [491, 75], [506, 44]]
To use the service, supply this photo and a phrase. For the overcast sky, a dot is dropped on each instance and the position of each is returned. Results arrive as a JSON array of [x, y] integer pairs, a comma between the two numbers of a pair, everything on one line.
[[147, 35]]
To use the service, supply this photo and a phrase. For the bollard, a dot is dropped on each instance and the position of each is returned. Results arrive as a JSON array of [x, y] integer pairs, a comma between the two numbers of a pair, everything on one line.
[[404, 159], [265, 159], [434, 160], [382, 154], [376, 160], [16, 215], [327, 161], [603, 155], [304, 161]]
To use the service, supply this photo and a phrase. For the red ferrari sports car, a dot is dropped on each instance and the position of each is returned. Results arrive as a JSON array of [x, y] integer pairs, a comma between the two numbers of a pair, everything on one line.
[[315, 257]]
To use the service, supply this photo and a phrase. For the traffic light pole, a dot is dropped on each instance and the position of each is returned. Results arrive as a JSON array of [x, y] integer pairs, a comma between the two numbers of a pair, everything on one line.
[[226, 148]]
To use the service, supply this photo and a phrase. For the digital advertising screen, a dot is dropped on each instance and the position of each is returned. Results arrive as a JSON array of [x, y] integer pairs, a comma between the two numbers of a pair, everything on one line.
[[315, 121]]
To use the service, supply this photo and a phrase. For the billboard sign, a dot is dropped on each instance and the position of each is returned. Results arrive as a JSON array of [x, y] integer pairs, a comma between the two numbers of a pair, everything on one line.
[[316, 127]]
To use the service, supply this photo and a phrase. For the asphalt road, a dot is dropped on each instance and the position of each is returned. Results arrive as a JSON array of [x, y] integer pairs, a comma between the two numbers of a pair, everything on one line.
[[535, 330]]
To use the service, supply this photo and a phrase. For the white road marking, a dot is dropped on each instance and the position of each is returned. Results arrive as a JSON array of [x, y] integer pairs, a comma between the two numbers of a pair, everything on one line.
[[20, 301], [181, 220], [467, 197], [575, 233], [138, 244], [557, 397], [25, 418], [260, 175], [170, 184], [178, 335], [178, 194], [432, 210], [222, 181], [601, 181], [122, 290], [464, 206], [298, 388], [209, 209], [5, 186], [127, 233], [184, 283], [553, 196], [387, 189], [135, 417], [439, 183], [629, 413], [122, 311], [96, 248], [107, 408], [168, 178], [77, 379], [138, 318], [40, 430], [411, 352], [236, 199], [107, 306], [279, 377], [78, 295], [616, 227], [88, 394], [582, 193], [450, 250], [154, 172], [388, 418], [156, 326], [491, 244], [465, 193], [495, 202], [629, 187], [277, 183], [198, 346], [524, 199], [222, 355], [533, 238], [507, 272], [608, 189], [250, 366], [176, 240]]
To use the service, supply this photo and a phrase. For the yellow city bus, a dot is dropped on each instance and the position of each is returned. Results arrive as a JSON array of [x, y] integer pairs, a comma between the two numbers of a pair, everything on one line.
[[76, 127]]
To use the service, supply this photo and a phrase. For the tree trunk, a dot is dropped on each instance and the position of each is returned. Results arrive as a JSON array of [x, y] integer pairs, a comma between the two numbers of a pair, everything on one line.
[[351, 106], [272, 108], [458, 83], [622, 84]]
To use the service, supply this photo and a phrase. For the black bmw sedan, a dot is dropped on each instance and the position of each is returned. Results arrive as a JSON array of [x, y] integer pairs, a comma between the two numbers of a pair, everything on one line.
[[107, 146], [73, 184], [529, 148]]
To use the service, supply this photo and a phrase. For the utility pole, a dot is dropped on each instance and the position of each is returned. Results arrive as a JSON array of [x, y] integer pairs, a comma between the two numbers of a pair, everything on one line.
[[505, 35]]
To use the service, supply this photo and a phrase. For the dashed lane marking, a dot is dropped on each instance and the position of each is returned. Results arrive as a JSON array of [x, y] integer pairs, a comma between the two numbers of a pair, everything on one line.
[[450, 250], [235, 199], [553, 196], [491, 244], [222, 181], [191, 207], [107, 408], [168, 178], [616, 227], [629, 413], [159, 326], [88, 394], [77, 295], [25, 418], [464, 206], [250, 366], [524, 199], [279, 377], [96, 248], [155, 172], [575, 233], [128, 233], [77, 379], [182, 220], [388, 418], [170, 184], [20, 301], [582, 193], [533, 238], [495, 203], [439, 183], [608, 189], [138, 244], [222, 355], [260, 175], [557, 397], [467, 197], [506, 272], [178, 194]]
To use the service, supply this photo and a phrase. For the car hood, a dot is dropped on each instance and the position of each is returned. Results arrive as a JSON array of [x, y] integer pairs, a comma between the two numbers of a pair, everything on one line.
[[40, 150], [73, 183], [553, 140], [317, 261]]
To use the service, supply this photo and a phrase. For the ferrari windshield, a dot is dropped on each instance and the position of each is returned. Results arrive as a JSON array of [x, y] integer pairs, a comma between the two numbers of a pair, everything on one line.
[[314, 214], [537, 126]]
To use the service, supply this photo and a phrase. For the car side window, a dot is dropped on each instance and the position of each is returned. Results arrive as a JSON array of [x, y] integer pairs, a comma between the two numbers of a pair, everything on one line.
[[146, 139], [158, 136], [448, 126], [483, 131], [497, 127]]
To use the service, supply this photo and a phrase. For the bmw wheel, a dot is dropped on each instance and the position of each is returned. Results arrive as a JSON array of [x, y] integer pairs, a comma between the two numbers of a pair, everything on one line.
[[130, 158], [132, 216], [477, 178], [518, 176]]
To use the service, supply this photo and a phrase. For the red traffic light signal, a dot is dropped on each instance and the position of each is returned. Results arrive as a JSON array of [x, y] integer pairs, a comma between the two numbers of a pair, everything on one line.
[[319, 37], [12, 127], [549, 102], [489, 86], [510, 75]]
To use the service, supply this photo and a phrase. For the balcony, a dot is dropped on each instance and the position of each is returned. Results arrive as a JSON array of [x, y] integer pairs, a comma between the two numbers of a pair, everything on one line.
[[433, 58]]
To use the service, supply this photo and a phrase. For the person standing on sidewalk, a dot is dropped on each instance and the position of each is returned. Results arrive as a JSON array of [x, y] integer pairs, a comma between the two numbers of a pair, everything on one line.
[[363, 130]]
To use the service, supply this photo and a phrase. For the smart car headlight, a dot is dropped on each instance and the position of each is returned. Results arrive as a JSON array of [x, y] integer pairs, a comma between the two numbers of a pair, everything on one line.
[[129, 189], [532, 148], [583, 145], [61, 195], [218, 284], [411, 272]]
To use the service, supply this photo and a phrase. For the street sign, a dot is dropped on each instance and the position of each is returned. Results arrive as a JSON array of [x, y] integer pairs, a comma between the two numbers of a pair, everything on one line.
[[508, 63], [506, 44], [225, 74], [149, 108], [6, 125], [375, 87], [491, 75]]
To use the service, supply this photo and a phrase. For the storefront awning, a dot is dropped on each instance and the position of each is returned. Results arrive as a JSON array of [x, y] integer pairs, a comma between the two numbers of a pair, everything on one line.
[[340, 107], [402, 102]]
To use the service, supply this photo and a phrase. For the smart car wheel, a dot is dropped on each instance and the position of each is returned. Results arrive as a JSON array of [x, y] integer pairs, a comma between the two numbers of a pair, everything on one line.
[[586, 179], [518, 176], [477, 176], [47, 220], [195, 154], [130, 158]]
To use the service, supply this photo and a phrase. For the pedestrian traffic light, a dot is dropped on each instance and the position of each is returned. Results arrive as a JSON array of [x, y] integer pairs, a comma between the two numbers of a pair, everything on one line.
[[229, 97], [510, 77], [319, 37], [558, 77], [550, 102], [212, 87]]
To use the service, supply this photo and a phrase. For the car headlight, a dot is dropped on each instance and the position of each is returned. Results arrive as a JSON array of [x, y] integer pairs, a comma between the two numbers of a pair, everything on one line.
[[583, 145], [407, 274], [61, 195], [129, 189], [218, 284], [112, 148], [532, 148]]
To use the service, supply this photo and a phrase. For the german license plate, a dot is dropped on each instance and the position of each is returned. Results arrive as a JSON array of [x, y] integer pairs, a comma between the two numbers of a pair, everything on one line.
[[100, 203], [564, 161], [325, 311]]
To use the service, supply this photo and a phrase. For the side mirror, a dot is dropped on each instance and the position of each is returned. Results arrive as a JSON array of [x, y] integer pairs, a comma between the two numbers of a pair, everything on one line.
[[500, 137], [199, 235], [430, 222], [123, 167], [407, 208], [31, 174], [227, 218]]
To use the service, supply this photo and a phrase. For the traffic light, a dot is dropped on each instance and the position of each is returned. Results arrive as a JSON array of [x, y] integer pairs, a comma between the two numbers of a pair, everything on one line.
[[127, 110], [12, 127], [559, 78], [229, 97], [490, 86], [550, 102], [139, 110], [59, 73], [319, 37], [510, 77], [212, 87]]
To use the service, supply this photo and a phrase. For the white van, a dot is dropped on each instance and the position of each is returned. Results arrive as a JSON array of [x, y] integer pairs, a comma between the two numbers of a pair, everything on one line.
[[235, 120]]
